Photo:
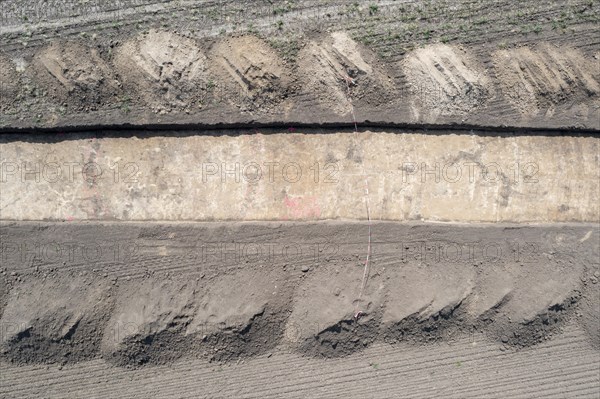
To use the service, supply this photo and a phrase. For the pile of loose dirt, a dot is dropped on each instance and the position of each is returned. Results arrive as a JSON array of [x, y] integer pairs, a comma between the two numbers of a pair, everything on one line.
[[529, 307], [335, 67], [330, 316], [426, 301], [164, 70], [249, 74], [148, 321], [156, 322], [55, 320], [538, 79], [76, 75], [413, 293], [241, 314], [444, 81]]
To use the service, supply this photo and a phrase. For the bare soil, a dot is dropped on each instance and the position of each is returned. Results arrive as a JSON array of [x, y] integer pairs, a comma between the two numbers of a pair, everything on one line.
[[172, 299], [164, 70], [308, 62], [131, 309], [250, 74], [445, 81]]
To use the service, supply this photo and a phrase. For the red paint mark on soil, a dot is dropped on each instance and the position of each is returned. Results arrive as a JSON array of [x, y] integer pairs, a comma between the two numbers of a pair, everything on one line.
[[302, 207]]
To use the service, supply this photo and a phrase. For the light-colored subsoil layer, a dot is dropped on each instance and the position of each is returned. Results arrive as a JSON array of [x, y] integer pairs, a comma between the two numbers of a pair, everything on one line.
[[302, 175]]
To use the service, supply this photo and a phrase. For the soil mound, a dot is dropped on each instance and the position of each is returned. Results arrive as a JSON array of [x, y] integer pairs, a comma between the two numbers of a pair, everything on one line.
[[241, 314], [536, 79], [75, 74], [336, 66], [250, 73], [147, 323], [416, 293], [54, 320], [444, 81], [164, 70], [426, 300], [330, 318], [529, 307], [157, 322]]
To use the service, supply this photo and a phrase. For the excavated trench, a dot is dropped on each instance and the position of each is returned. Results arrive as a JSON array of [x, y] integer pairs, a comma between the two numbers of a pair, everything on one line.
[[146, 247], [177, 200]]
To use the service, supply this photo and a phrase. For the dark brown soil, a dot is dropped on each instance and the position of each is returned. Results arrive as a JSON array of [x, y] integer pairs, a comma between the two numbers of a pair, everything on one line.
[[151, 308]]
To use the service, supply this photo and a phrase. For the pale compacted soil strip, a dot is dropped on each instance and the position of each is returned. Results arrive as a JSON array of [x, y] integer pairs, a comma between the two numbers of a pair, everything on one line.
[[412, 177]]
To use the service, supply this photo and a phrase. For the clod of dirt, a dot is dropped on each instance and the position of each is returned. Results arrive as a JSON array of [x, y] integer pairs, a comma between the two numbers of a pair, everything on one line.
[[325, 319], [148, 322], [444, 81], [241, 315], [250, 73], [166, 71], [9, 83], [424, 301], [75, 74], [336, 64], [539, 79], [55, 320]]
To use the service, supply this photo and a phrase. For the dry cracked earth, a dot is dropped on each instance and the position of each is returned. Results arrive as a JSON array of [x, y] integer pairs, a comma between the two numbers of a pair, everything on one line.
[[299, 199]]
